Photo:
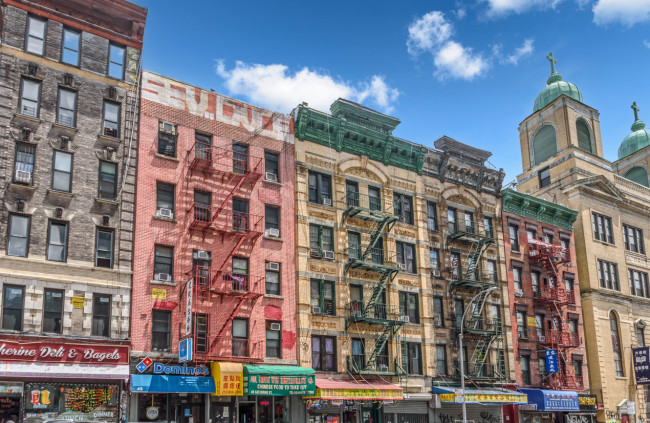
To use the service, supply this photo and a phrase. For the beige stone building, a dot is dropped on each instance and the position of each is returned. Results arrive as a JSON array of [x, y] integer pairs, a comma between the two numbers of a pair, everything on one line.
[[562, 158]]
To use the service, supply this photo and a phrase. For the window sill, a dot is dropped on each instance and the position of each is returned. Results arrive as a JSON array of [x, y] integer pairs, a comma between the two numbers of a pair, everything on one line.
[[272, 238], [604, 243], [323, 315], [272, 183], [621, 377], [109, 139], [106, 201], [164, 219], [17, 186], [27, 118], [155, 282], [60, 193], [277, 297], [171, 159], [65, 128], [324, 206]]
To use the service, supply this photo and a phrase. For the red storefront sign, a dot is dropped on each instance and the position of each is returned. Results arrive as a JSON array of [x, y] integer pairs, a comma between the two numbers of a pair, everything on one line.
[[58, 352]]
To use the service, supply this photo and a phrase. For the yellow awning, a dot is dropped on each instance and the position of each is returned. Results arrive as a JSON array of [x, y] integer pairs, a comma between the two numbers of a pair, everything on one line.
[[228, 378]]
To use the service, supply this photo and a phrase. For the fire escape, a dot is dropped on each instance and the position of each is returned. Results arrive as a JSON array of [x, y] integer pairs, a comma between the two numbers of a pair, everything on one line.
[[483, 333], [555, 297], [375, 359], [220, 290]]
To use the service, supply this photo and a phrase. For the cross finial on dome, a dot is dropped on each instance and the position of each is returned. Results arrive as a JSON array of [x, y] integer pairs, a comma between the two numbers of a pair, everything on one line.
[[636, 111], [551, 59]]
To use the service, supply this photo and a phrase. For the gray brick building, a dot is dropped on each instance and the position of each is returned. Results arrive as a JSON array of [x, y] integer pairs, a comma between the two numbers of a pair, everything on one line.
[[69, 97]]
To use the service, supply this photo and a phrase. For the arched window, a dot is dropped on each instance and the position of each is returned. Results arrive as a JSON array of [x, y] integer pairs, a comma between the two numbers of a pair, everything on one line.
[[638, 174], [616, 344], [584, 139], [544, 144]]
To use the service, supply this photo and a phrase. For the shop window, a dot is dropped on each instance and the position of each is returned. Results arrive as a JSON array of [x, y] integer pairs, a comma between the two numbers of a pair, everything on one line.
[[273, 339], [57, 241], [323, 353], [320, 188], [438, 312], [321, 242], [406, 257], [70, 48], [111, 120], [101, 315], [322, 297], [53, 311], [58, 401], [271, 167], [403, 207], [412, 358], [409, 307], [160, 405], [116, 56], [602, 228], [13, 298], [441, 360], [161, 330], [240, 338], [35, 39], [18, 234]]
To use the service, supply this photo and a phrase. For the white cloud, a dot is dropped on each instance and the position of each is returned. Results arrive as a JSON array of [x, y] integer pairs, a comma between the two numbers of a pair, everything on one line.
[[525, 50], [503, 7], [455, 61], [626, 12], [646, 43], [428, 32], [276, 87], [460, 13]]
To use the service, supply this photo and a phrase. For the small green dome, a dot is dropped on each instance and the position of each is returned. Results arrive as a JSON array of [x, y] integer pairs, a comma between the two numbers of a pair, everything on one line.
[[555, 87], [637, 140]]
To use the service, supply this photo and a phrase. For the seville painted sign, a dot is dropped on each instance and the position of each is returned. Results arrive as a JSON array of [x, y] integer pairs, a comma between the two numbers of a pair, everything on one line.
[[53, 352], [641, 357], [279, 385]]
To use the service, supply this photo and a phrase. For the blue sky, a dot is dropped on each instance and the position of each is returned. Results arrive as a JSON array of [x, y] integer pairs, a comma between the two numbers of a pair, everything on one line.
[[468, 69]]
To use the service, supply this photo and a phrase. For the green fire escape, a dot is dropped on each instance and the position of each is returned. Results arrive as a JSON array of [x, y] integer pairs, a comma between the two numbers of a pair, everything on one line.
[[374, 311], [483, 333]]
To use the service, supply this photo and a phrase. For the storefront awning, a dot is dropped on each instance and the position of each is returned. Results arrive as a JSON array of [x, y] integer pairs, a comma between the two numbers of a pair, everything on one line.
[[332, 389], [175, 384], [63, 371], [278, 380], [546, 400], [228, 378], [480, 396]]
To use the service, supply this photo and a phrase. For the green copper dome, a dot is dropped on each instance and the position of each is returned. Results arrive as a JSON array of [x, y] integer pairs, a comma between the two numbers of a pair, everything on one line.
[[637, 140], [555, 87]]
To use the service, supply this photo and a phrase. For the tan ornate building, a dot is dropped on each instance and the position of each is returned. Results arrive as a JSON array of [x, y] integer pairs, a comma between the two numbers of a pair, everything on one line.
[[562, 157]]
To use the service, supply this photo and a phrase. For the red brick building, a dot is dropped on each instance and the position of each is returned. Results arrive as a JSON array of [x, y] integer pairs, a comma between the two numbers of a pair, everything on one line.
[[215, 248], [545, 311]]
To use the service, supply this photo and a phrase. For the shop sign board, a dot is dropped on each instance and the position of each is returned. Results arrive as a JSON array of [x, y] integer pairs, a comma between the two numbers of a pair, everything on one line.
[[78, 302], [587, 402], [159, 294], [641, 357], [551, 361], [152, 413], [280, 385], [485, 398], [367, 394], [228, 379], [171, 369], [186, 350], [188, 309], [63, 352]]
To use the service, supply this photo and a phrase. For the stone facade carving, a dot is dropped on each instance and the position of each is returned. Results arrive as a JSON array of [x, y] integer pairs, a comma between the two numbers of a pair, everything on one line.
[[317, 161]]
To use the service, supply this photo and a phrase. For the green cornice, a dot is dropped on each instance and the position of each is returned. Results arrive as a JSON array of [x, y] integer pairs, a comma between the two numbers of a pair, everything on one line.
[[543, 211], [364, 133]]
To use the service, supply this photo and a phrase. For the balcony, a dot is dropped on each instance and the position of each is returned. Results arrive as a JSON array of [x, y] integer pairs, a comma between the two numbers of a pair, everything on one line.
[[462, 280], [377, 260], [225, 161], [201, 216], [240, 347], [480, 326], [539, 249], [363, 206], [480, 371], [555, 294], [554, 337], [229, 221], [378, 313], [234, 283], [383, 365], [201, 156]]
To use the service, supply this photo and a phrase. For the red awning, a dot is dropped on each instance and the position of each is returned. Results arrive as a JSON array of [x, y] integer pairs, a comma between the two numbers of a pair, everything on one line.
[[353, 390]]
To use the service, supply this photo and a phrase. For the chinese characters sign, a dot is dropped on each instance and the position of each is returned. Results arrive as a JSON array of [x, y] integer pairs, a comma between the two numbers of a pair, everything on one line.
[[513, 398], [551, 361], [641, 357], [279, 385], [228, 379]]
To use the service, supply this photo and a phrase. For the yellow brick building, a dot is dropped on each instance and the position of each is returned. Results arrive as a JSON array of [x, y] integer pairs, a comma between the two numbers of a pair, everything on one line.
[[562, 158], [384, 229]]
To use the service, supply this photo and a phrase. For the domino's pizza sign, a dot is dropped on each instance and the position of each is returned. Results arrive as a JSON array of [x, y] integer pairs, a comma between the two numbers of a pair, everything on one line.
[[185, 350]]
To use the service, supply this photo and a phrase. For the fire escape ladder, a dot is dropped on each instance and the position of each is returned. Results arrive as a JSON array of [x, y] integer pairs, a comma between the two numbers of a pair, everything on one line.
[[388, 331], [477, 249], [480, 355], [376, 231], [475, 319], [236, 242], [231, 194], [377, 290]]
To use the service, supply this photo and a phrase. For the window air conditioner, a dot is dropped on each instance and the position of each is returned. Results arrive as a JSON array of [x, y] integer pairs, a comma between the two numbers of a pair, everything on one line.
[[275, 326], [327, 201], [402, 266], [165, 213], [519, 292], [168, 128], [202, 255], [383, 368], [405, 319], [273, 266], [328, 255], [355, 313], [542, 338], [163, 277], [435, 273], [270, 176], [272, 232], [315, 309], [24, 176]]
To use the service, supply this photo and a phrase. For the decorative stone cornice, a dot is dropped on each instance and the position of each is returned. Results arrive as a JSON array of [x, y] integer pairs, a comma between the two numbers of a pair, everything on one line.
[[535, 208]]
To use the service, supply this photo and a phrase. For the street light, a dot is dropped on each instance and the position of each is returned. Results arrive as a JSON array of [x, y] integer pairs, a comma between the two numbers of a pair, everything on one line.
[[460, 346]]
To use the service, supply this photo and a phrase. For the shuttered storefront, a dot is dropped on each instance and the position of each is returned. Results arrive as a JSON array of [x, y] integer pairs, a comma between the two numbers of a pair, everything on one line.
[[407, 412]]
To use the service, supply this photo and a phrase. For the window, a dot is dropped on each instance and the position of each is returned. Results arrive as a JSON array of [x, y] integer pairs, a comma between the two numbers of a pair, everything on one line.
[[496, 315], [30, 95], [608, 275], [516, 276], [18, 242], [544, 144], [272, 218], [573, 326], [487, 224], [411, 358], [524, 360], [640, 335], [633, 238], [616, 344], [456, 268], [320, 188], [12, 307], [52, 311], [514, 237], [111, 121], [107, 180], [101, 315], [273, 339], [577, 367], [534, 279], [240, 217], [165, 194], [438, 312], [356, 300], [323, 353], [539, 325], [161, 330], [403, 208], [441, 360], [57, 241], [104, 248], [639, 175], [272, 281], [531, 234], [354, 245], [35, 39], [544, 177], [584, 138], [521, 325], [167, 139], [541, 362], [459, 309], [358, 353], [638, 283], [24, 163], [62, 171], [374, 198], [320, 240], [351, 194], [70, 52], [67, 108], [240, 274], [240, 338], [239, 158], [202, 202], [434, 259], [564, 242], [432, 221], [493, 275], [271, 166], [200, 324], [322, 297], [406, 257], [451, 220], [602, 226], [409, 306], [548, 238], [468, 222], [116, 61], [163, 262], [203, 146]]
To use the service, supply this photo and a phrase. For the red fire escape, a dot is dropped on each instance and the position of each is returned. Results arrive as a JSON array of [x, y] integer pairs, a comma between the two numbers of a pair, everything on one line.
[[220, 291], [555, 297]]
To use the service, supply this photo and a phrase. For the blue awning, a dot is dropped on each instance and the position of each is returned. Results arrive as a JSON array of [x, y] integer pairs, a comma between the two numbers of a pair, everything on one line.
[[176, 384], [552, 400]]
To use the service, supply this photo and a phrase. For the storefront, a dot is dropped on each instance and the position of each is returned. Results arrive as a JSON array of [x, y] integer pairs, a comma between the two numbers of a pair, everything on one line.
[[482, 405], [413, 409], [347, 401], [588, 405], [55, 379], [546, 406]]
